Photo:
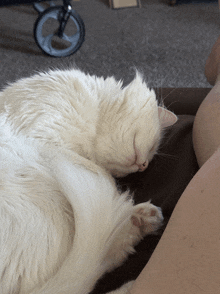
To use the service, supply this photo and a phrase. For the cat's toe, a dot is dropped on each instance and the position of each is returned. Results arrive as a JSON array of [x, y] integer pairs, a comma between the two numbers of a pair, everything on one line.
[[147, 217]]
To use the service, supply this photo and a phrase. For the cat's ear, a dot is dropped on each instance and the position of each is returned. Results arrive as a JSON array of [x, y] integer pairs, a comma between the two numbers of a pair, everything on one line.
[[167, 118]]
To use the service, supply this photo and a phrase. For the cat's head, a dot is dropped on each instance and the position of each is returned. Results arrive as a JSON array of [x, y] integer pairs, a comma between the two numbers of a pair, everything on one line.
[[130, 128]]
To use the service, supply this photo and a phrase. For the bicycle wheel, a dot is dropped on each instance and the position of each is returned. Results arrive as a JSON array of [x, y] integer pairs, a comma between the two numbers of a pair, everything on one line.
[[46, 32]]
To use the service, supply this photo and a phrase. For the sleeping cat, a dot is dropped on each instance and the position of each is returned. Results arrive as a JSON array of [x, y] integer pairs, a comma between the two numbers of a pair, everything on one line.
[[63, 136]]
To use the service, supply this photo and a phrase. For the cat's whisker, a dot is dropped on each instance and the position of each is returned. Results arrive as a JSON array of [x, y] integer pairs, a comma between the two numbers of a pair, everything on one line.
[[162, 99], [168, 106], [169, 94], [167, 155]]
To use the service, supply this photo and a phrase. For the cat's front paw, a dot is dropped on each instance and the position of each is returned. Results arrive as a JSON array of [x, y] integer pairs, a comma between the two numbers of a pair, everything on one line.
[[147, 217]]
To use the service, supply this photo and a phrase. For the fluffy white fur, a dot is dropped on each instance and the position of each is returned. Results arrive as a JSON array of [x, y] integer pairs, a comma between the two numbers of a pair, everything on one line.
[[63, 134]]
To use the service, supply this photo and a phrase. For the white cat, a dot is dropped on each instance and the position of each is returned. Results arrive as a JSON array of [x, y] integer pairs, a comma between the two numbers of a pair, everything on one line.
[[63, 134]]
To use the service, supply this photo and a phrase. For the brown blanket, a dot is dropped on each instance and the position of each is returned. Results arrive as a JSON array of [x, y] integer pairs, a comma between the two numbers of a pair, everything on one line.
[[163, 182]]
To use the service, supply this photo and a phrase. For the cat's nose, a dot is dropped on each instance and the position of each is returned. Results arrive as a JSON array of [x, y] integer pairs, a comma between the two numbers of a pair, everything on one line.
[[143, 166]]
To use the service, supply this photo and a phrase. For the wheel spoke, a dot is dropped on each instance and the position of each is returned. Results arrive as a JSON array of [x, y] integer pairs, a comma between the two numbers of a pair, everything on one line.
[[72, 39], [47, 43]]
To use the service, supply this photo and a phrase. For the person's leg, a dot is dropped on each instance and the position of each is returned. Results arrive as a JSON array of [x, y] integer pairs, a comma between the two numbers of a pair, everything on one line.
[[212, 68], [206, 130], [187, 258]]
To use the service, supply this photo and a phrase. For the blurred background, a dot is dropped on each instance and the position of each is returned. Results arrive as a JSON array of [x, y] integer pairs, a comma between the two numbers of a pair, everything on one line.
[[168, 44]]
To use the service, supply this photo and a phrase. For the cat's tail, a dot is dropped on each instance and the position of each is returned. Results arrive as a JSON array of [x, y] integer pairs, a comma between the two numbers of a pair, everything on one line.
[[98, 213]]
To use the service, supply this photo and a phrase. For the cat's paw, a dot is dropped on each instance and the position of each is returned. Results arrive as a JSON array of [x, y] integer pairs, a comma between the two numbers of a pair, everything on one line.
[[147, 217]]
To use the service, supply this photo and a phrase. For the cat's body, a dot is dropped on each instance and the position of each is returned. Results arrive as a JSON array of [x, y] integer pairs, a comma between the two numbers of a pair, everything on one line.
[[62, 136]]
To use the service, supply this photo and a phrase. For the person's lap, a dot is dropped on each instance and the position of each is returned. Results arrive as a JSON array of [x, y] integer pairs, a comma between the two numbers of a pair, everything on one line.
[[187, 258], [206, 130]]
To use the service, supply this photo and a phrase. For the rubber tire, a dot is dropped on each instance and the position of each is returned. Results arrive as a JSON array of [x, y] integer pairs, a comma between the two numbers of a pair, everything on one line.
[[38, 32]]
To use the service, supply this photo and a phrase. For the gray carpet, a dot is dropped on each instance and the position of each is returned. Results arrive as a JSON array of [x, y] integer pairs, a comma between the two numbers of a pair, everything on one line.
[[168, 44]]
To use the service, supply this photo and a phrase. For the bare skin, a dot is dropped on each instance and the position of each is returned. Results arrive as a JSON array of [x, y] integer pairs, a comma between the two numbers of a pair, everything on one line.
[[206, 131], [187, 258]]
